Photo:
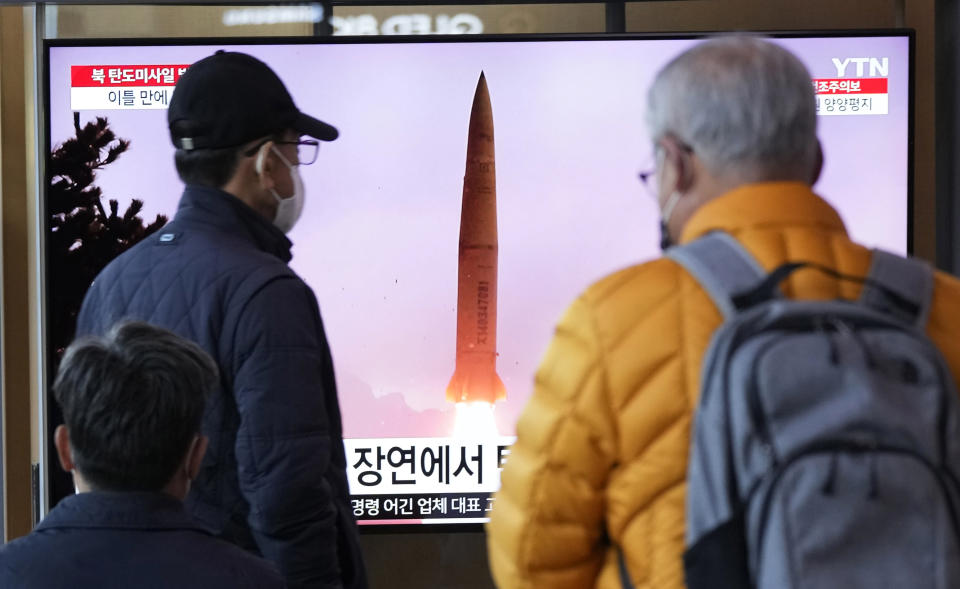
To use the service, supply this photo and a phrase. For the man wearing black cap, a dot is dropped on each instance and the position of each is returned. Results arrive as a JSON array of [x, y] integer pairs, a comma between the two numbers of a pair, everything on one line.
[[274, 479]]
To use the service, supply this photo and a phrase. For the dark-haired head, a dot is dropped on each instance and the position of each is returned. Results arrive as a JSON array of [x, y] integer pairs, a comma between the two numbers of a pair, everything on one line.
[[133, 402]]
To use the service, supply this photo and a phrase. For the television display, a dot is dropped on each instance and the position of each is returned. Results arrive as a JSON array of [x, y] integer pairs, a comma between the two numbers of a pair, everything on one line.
[[440, 283]]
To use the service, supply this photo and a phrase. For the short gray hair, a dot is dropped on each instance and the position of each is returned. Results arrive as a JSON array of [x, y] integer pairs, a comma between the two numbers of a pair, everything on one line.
[[745, 106]]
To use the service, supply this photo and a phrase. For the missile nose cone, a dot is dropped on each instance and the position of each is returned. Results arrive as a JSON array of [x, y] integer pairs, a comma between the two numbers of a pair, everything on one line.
[[480, 135], [482, 95]]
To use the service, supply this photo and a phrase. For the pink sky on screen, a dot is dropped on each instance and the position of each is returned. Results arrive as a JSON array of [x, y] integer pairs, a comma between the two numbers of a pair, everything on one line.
[[378, 239]]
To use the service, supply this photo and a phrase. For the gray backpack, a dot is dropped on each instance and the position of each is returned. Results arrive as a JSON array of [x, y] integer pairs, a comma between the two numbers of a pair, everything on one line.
[[826, 444]]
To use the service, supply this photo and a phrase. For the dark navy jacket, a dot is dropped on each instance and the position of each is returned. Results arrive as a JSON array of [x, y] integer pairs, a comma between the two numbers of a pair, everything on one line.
[[144, 540], [274, 477]]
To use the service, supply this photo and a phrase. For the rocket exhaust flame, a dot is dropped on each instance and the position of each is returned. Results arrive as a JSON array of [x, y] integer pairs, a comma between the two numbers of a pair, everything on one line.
[[475, 420], [475, 377]]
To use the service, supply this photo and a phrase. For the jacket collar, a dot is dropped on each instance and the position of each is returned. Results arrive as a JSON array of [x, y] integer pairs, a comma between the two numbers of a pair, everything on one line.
[[766, 205], [214, 207], [123, 510]]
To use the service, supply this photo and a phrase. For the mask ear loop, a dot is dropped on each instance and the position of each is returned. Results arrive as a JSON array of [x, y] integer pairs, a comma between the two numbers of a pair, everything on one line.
[[261, 156], [672, 201]]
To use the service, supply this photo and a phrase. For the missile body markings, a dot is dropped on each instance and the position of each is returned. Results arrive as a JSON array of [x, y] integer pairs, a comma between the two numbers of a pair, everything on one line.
[[475, 376]]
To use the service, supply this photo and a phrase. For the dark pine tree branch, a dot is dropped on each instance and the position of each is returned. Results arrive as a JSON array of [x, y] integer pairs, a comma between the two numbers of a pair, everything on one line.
[[83, 235]]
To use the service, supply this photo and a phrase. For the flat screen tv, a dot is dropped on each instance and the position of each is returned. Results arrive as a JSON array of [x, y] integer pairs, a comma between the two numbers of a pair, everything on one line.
[[429, 415]]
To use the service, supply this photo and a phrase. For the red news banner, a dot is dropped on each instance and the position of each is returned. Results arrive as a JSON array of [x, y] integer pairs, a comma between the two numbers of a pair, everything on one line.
[[851, 96], [105, 87]]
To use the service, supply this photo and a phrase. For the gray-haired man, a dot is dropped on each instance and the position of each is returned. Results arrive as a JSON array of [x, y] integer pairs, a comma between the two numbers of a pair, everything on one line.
[[599, 466]]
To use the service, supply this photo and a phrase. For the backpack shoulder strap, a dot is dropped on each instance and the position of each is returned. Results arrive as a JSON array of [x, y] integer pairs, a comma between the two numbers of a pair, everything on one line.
[[722, 267], [902, 287]]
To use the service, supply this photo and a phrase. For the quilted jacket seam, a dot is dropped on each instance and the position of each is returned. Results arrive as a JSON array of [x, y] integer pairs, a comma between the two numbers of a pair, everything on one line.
[[669, 484], [611, 289], [605, 380], [634, 517], [243, 311], [649, 315], [537, 491], [655, 371]]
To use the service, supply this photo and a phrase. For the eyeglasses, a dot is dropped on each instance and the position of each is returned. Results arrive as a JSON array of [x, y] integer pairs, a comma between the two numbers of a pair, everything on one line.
[[307, 150], [649, 172], [646, 178]]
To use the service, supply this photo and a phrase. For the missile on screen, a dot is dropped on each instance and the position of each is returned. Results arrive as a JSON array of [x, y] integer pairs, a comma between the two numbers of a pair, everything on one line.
[[475, 376]]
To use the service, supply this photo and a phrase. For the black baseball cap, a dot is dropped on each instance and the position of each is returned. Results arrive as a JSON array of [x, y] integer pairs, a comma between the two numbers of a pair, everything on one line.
[[228, 99]]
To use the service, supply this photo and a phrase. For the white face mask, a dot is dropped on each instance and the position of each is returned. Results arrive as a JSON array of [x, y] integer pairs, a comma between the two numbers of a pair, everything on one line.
[[288, 209]]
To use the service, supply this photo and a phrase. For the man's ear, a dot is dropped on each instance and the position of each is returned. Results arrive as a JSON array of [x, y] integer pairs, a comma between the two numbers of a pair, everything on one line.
[[198, 448], [61, 439], [818, 165], [678, 157], [265, 166]]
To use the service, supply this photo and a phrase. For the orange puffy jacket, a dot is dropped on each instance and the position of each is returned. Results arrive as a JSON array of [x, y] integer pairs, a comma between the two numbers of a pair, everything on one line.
[[601, 453]]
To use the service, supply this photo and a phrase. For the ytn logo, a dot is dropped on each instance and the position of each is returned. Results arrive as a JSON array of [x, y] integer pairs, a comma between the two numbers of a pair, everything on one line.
[[879, 68]]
